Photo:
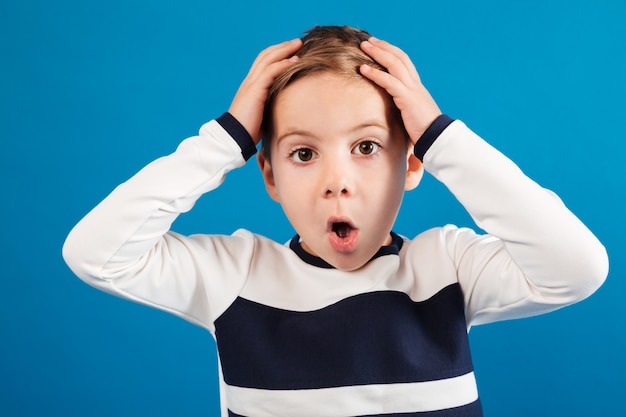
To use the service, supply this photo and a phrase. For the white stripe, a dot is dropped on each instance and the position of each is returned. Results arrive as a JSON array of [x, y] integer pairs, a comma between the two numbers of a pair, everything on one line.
[[354, 400], [277, 271]]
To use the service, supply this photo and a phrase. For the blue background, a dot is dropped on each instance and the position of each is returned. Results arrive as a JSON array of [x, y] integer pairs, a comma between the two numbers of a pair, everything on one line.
[[92, 91]]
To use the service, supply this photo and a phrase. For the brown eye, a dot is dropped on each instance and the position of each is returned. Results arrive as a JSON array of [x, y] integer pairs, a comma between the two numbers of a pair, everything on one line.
[[366, 148], [303, 155]]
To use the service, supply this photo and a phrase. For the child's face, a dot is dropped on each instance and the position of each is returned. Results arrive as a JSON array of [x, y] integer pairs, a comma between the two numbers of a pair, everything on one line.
[[339, 166]]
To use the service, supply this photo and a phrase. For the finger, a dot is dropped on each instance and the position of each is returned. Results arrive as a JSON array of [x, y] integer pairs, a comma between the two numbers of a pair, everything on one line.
[[391, 57], [385, 80], [276, 53], [386, 46], [247, 104], [283, 48], [394, 59], [270, 63], [267, 74], [390, 48]]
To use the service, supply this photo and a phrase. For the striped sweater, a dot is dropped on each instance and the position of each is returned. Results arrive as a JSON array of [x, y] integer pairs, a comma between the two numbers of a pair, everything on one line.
[[297, 337]]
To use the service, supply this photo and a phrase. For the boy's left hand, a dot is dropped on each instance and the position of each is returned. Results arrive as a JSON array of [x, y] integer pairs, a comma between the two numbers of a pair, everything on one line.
[[402, 82]]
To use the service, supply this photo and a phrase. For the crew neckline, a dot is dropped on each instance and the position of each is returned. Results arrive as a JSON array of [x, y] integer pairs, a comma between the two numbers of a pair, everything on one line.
[[392, 249]]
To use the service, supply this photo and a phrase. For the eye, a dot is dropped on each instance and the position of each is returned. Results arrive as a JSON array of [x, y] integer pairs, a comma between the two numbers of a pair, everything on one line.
[[367, 147], [302, 155]]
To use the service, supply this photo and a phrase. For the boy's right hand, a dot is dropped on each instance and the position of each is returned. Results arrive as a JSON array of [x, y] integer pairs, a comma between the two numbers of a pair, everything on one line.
[[248, 104]]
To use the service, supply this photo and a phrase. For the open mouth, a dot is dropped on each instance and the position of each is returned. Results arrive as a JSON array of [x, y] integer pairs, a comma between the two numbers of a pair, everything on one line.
[[341, 229], [343, 235]]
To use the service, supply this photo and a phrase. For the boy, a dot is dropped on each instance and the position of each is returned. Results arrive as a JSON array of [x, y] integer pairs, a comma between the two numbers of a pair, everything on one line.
[[349, 318]]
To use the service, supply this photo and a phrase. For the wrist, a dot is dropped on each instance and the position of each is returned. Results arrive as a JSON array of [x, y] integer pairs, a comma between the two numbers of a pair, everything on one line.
[[239, 134], [430, 135]]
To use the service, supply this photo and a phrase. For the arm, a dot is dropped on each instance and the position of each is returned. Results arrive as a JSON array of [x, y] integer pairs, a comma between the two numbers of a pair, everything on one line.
[[537, 255], [124, 245]]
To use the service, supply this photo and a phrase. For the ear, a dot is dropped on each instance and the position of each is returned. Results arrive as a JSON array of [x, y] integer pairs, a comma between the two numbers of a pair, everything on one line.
[[268, 175], [414, 171]]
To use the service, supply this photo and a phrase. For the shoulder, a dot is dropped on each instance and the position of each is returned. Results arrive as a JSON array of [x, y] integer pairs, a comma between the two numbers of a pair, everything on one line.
[[440, 240], [242, 246]]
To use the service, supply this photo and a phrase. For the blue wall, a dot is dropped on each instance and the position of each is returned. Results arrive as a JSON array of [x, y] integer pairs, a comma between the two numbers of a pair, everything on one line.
[[91, 91]]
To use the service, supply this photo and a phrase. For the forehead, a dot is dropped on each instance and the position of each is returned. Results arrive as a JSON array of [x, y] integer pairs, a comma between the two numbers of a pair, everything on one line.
[[327, 103]]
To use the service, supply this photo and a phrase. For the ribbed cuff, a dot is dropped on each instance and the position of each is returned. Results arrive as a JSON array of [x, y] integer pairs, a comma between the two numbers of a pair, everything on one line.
[[238, 133], [430, 135]]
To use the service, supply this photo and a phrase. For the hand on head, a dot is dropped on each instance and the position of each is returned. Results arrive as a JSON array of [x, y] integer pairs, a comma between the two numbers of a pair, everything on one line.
[[249, 102], [402, 82]]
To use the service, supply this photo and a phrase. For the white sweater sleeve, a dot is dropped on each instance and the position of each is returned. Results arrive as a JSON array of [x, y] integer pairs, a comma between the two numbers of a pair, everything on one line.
[[536, 257], [124, 246]]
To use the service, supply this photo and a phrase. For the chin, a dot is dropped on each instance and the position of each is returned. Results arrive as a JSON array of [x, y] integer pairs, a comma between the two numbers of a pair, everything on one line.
[[348, 263]]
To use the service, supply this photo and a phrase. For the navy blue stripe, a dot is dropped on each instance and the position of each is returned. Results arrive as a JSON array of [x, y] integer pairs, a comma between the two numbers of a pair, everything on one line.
[[392, 249], [238, 133], [470, 410], [373, 338], [430, 135], [474, 409]]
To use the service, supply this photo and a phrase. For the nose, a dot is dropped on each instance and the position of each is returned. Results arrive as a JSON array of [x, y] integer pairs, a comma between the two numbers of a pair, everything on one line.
[[332, 192], [337, 179]]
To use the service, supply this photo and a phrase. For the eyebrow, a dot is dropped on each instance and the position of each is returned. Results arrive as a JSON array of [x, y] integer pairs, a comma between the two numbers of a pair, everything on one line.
[[367, 124]]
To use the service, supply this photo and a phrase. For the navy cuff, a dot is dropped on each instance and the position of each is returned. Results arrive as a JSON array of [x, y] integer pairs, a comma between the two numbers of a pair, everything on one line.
[[430, 135], [238, 133]]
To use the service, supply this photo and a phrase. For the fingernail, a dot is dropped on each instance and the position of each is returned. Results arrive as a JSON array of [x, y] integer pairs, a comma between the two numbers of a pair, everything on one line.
[[367, 44], [296, 40], [373, 39], [365, 68], [293, 58]]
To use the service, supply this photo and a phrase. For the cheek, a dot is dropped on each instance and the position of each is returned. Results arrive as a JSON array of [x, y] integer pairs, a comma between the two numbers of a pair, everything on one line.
[[291, 185], [397, 169], [384, 189], [393, 183]]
